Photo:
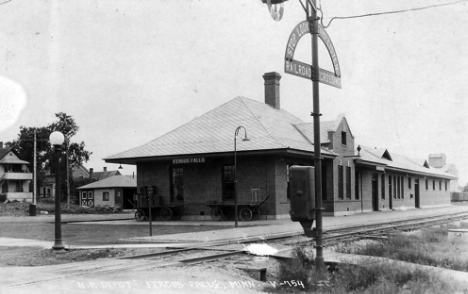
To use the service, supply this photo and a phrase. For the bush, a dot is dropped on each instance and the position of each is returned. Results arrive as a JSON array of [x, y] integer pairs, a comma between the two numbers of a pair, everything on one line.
[[366, 277], [77, 209], [429, 246]]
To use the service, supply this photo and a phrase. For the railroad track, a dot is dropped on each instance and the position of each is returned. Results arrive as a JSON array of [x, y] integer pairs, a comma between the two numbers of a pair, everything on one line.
[[359, 232], [156, 260]]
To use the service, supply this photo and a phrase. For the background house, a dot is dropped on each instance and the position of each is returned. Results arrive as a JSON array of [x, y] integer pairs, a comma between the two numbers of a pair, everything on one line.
[[80, 176], [15, 177], [112, 191]]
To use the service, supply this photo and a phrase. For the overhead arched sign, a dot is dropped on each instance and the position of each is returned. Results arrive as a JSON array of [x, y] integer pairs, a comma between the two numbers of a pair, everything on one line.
[[305, 70]]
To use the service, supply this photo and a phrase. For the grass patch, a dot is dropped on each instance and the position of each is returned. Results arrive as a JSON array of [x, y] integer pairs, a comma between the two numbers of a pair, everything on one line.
[[31, 256], [428, 246], [367, 277], [16, 208]]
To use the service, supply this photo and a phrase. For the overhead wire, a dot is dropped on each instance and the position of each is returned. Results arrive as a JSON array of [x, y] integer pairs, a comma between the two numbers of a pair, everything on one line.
[[383, 13]]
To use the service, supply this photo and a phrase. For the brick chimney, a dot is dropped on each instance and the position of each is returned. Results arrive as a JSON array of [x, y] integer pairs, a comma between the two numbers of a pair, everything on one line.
[[91, 173], [272, 89]]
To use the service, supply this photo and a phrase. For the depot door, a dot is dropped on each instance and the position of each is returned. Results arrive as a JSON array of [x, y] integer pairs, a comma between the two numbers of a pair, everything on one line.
[[375, 192], [417, 199]]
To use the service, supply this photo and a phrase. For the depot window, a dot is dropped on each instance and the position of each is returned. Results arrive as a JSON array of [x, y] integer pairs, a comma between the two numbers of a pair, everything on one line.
[[389, 186], [105, 196], [348, 182], [357, 181], [228, 182], [398, 186], [382, 185], [340, 182], [402, 188], [177, 184]]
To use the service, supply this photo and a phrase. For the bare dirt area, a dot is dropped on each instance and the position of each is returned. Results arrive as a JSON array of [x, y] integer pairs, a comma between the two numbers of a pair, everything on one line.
[[42, 228]]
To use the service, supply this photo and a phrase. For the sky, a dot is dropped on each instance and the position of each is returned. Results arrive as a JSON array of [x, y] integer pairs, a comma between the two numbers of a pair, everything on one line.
[[131, 71]]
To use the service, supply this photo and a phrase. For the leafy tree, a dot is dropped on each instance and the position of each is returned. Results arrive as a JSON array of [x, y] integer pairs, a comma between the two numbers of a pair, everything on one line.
[[465, 189], [77, 154]]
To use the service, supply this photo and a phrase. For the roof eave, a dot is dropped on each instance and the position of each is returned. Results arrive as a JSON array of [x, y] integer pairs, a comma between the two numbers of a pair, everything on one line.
[[402, 170], [283, 151]]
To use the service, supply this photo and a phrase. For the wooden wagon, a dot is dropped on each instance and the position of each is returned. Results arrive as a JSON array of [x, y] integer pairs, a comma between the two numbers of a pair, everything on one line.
[[225, 210], [156, 205]]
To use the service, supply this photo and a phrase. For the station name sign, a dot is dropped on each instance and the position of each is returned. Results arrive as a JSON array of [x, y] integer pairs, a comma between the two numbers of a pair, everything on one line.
[[304, 70], [188, 160]]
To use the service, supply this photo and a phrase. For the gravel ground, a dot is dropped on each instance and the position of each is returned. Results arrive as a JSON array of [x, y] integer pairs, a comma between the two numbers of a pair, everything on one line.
[[43, 228]]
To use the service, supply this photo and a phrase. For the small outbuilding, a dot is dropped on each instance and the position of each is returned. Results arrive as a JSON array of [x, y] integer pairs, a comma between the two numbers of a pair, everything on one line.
[[112, 191]]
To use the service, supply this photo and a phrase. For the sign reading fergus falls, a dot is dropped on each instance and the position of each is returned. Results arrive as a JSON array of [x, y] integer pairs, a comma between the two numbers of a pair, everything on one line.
[[188, 160]]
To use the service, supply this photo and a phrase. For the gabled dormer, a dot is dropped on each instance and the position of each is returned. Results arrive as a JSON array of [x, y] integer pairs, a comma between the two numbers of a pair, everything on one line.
[[386, 155], [425, 164], [340, 136]]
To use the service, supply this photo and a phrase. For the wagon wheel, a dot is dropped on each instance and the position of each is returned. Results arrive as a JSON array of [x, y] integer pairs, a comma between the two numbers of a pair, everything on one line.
[[216, 213], [140, 215], [166, 214], [246, 214], [178, 211]]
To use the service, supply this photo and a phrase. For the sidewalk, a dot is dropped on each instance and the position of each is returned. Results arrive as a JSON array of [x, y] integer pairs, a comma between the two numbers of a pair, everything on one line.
[[263, 229], [50, 218]]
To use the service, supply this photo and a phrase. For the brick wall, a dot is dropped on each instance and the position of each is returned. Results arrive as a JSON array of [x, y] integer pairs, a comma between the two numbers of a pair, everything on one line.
[[407, 200], [203, 182], [349, 204]]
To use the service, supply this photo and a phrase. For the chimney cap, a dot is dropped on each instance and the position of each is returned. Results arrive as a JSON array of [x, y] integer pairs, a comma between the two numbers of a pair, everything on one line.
[[271, 75]]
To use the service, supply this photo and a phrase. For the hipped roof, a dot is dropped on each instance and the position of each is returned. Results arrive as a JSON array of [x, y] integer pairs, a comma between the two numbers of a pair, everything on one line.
[[382, 157], [267, 128], [112, 182]]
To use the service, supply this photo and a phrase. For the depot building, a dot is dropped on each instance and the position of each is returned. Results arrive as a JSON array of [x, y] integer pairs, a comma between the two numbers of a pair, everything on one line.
[[195, 164]]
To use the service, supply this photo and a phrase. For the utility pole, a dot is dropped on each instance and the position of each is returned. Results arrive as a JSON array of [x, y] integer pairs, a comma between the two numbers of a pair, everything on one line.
[[313, 23], [35, 169], [67, 143], [316, 74], [32, 207]]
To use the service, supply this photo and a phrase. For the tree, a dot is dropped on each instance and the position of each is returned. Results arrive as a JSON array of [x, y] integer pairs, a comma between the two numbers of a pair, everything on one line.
[[24, 147], [72, 154], [465, 189]]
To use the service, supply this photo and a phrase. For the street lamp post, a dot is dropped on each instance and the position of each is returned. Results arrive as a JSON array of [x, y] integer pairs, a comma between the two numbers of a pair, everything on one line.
[[56, 138], [276, 9], [235, 169]]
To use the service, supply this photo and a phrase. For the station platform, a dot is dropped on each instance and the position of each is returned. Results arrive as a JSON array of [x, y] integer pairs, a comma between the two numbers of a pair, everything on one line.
[[263, 229]]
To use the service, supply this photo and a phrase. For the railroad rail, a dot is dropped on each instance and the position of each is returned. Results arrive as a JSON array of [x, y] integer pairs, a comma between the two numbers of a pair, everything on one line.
[[364, 231]]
